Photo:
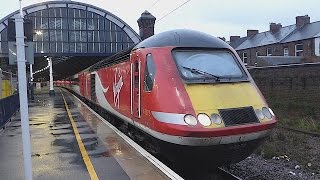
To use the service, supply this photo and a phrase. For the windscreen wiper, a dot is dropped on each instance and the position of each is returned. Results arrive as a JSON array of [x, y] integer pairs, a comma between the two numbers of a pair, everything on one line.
[[194, 70]]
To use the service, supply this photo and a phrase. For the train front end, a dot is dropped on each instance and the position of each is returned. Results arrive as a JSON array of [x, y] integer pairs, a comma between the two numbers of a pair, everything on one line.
[[231, 117], [216, 113]]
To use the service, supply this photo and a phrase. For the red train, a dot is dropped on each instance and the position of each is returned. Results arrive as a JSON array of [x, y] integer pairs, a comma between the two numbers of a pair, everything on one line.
[[188, 91]]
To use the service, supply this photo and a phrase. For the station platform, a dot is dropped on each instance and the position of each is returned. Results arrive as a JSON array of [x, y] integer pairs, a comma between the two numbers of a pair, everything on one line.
[[69, 141]]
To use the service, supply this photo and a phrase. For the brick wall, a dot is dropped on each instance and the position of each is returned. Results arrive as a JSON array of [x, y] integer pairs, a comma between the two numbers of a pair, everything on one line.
[[295, 89]]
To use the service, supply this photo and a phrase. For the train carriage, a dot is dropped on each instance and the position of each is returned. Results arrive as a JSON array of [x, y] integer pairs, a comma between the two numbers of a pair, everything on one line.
[[188, 91]]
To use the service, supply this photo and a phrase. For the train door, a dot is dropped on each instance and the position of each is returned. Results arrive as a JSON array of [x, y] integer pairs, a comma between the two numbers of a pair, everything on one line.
[[93, 87], [136, 88], [81, 84], [87, 86]]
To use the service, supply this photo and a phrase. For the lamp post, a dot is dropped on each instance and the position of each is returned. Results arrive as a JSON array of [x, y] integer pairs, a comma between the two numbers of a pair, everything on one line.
[[21, 63], [31, 83], [51, 90], [31, 73]]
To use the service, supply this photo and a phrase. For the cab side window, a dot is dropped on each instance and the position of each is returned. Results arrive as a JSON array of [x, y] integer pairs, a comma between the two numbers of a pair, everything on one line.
[[136, 74], [150, 71]]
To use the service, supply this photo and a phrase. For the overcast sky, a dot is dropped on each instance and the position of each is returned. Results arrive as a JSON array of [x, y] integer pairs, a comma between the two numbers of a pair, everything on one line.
[[217, 17]]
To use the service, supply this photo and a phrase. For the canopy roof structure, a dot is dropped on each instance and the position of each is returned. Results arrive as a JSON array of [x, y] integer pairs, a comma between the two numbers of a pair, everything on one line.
[[75, 35]]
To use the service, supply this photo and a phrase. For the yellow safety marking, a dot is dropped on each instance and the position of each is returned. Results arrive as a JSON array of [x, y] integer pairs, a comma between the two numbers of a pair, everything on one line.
[[208, 98], [85, 156]]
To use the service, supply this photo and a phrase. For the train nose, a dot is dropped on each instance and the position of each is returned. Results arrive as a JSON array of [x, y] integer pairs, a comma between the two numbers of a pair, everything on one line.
[[228, 104]]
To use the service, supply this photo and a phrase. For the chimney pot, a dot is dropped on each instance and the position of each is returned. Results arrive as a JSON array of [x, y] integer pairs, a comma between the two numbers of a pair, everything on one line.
[[302, 20], [234, 38], [274, 27], [251, 32], [146, 25]]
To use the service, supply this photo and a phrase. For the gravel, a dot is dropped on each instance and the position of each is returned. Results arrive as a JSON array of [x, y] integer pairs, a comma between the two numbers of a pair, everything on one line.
[[256, 167], [295, 157]]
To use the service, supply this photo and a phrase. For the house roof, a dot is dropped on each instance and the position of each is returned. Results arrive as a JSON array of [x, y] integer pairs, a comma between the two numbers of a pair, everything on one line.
[[285, 34], [237, 42], [308, 31]]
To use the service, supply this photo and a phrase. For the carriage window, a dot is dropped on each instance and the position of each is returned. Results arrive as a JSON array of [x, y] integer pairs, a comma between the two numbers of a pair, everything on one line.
[[208, 65], [149, 73]]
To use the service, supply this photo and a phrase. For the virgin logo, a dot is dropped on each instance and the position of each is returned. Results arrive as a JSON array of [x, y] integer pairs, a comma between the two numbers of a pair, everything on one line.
[[117, 85]]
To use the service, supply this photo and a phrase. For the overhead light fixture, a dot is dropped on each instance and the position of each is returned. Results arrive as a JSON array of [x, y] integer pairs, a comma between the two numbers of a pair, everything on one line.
[[38, 32]]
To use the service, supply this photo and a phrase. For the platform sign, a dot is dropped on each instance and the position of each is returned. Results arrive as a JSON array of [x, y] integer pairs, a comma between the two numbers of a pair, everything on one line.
[[29, 49]]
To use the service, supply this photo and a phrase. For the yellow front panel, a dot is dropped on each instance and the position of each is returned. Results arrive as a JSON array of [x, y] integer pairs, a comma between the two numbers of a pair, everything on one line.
[[208, 98]]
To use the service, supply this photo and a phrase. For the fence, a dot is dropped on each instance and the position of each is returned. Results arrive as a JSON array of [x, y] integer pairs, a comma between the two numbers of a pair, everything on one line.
[[8, 106]]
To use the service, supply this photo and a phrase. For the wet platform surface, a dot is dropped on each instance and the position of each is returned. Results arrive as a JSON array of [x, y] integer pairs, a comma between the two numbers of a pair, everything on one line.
[[56, 153]]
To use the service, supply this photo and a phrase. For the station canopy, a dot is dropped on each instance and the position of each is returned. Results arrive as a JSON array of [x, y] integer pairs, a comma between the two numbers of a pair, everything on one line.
[[75, 35]]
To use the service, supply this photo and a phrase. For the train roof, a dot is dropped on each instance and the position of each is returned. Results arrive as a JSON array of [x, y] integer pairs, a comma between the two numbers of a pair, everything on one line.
[[114, 59], [183, 38]]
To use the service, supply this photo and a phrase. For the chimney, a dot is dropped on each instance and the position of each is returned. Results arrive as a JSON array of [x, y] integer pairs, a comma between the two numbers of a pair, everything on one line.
[[302, 20], [252, 32], [146, 25], [234, 38], [274, 27]]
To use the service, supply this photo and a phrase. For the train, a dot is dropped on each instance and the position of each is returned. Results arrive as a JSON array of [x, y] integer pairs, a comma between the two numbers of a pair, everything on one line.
[[187, 91]]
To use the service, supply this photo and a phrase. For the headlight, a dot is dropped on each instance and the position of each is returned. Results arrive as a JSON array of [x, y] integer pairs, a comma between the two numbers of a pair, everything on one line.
[[272, 113], [266, 112], [216, 119], [259, 114], [204, 119], [190, 120]]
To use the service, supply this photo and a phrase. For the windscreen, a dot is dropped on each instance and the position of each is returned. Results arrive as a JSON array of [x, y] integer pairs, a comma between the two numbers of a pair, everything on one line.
[[208, 64]]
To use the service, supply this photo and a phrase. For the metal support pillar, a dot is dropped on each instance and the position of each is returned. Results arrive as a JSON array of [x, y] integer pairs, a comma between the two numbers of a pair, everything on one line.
[[51, 90], [21, 63]]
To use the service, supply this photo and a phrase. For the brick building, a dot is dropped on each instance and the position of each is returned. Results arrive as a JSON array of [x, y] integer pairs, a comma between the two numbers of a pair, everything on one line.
[[300, 39]]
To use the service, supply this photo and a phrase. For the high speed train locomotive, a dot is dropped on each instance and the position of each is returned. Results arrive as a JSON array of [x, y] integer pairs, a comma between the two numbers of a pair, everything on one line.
[[188, 91]]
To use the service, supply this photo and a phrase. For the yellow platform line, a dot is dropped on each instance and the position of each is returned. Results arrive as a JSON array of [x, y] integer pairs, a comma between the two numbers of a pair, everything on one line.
[[85, 156]]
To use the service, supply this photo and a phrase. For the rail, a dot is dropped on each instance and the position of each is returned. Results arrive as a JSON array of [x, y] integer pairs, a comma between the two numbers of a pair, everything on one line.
[[8, 107], [226, 174]]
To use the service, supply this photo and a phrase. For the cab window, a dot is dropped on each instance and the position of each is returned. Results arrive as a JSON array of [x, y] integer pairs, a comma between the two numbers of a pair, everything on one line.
[[150, 71]]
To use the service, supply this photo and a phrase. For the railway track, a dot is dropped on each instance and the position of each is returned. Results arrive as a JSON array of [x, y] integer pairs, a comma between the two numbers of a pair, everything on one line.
[[213, 174], [227, 175]]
